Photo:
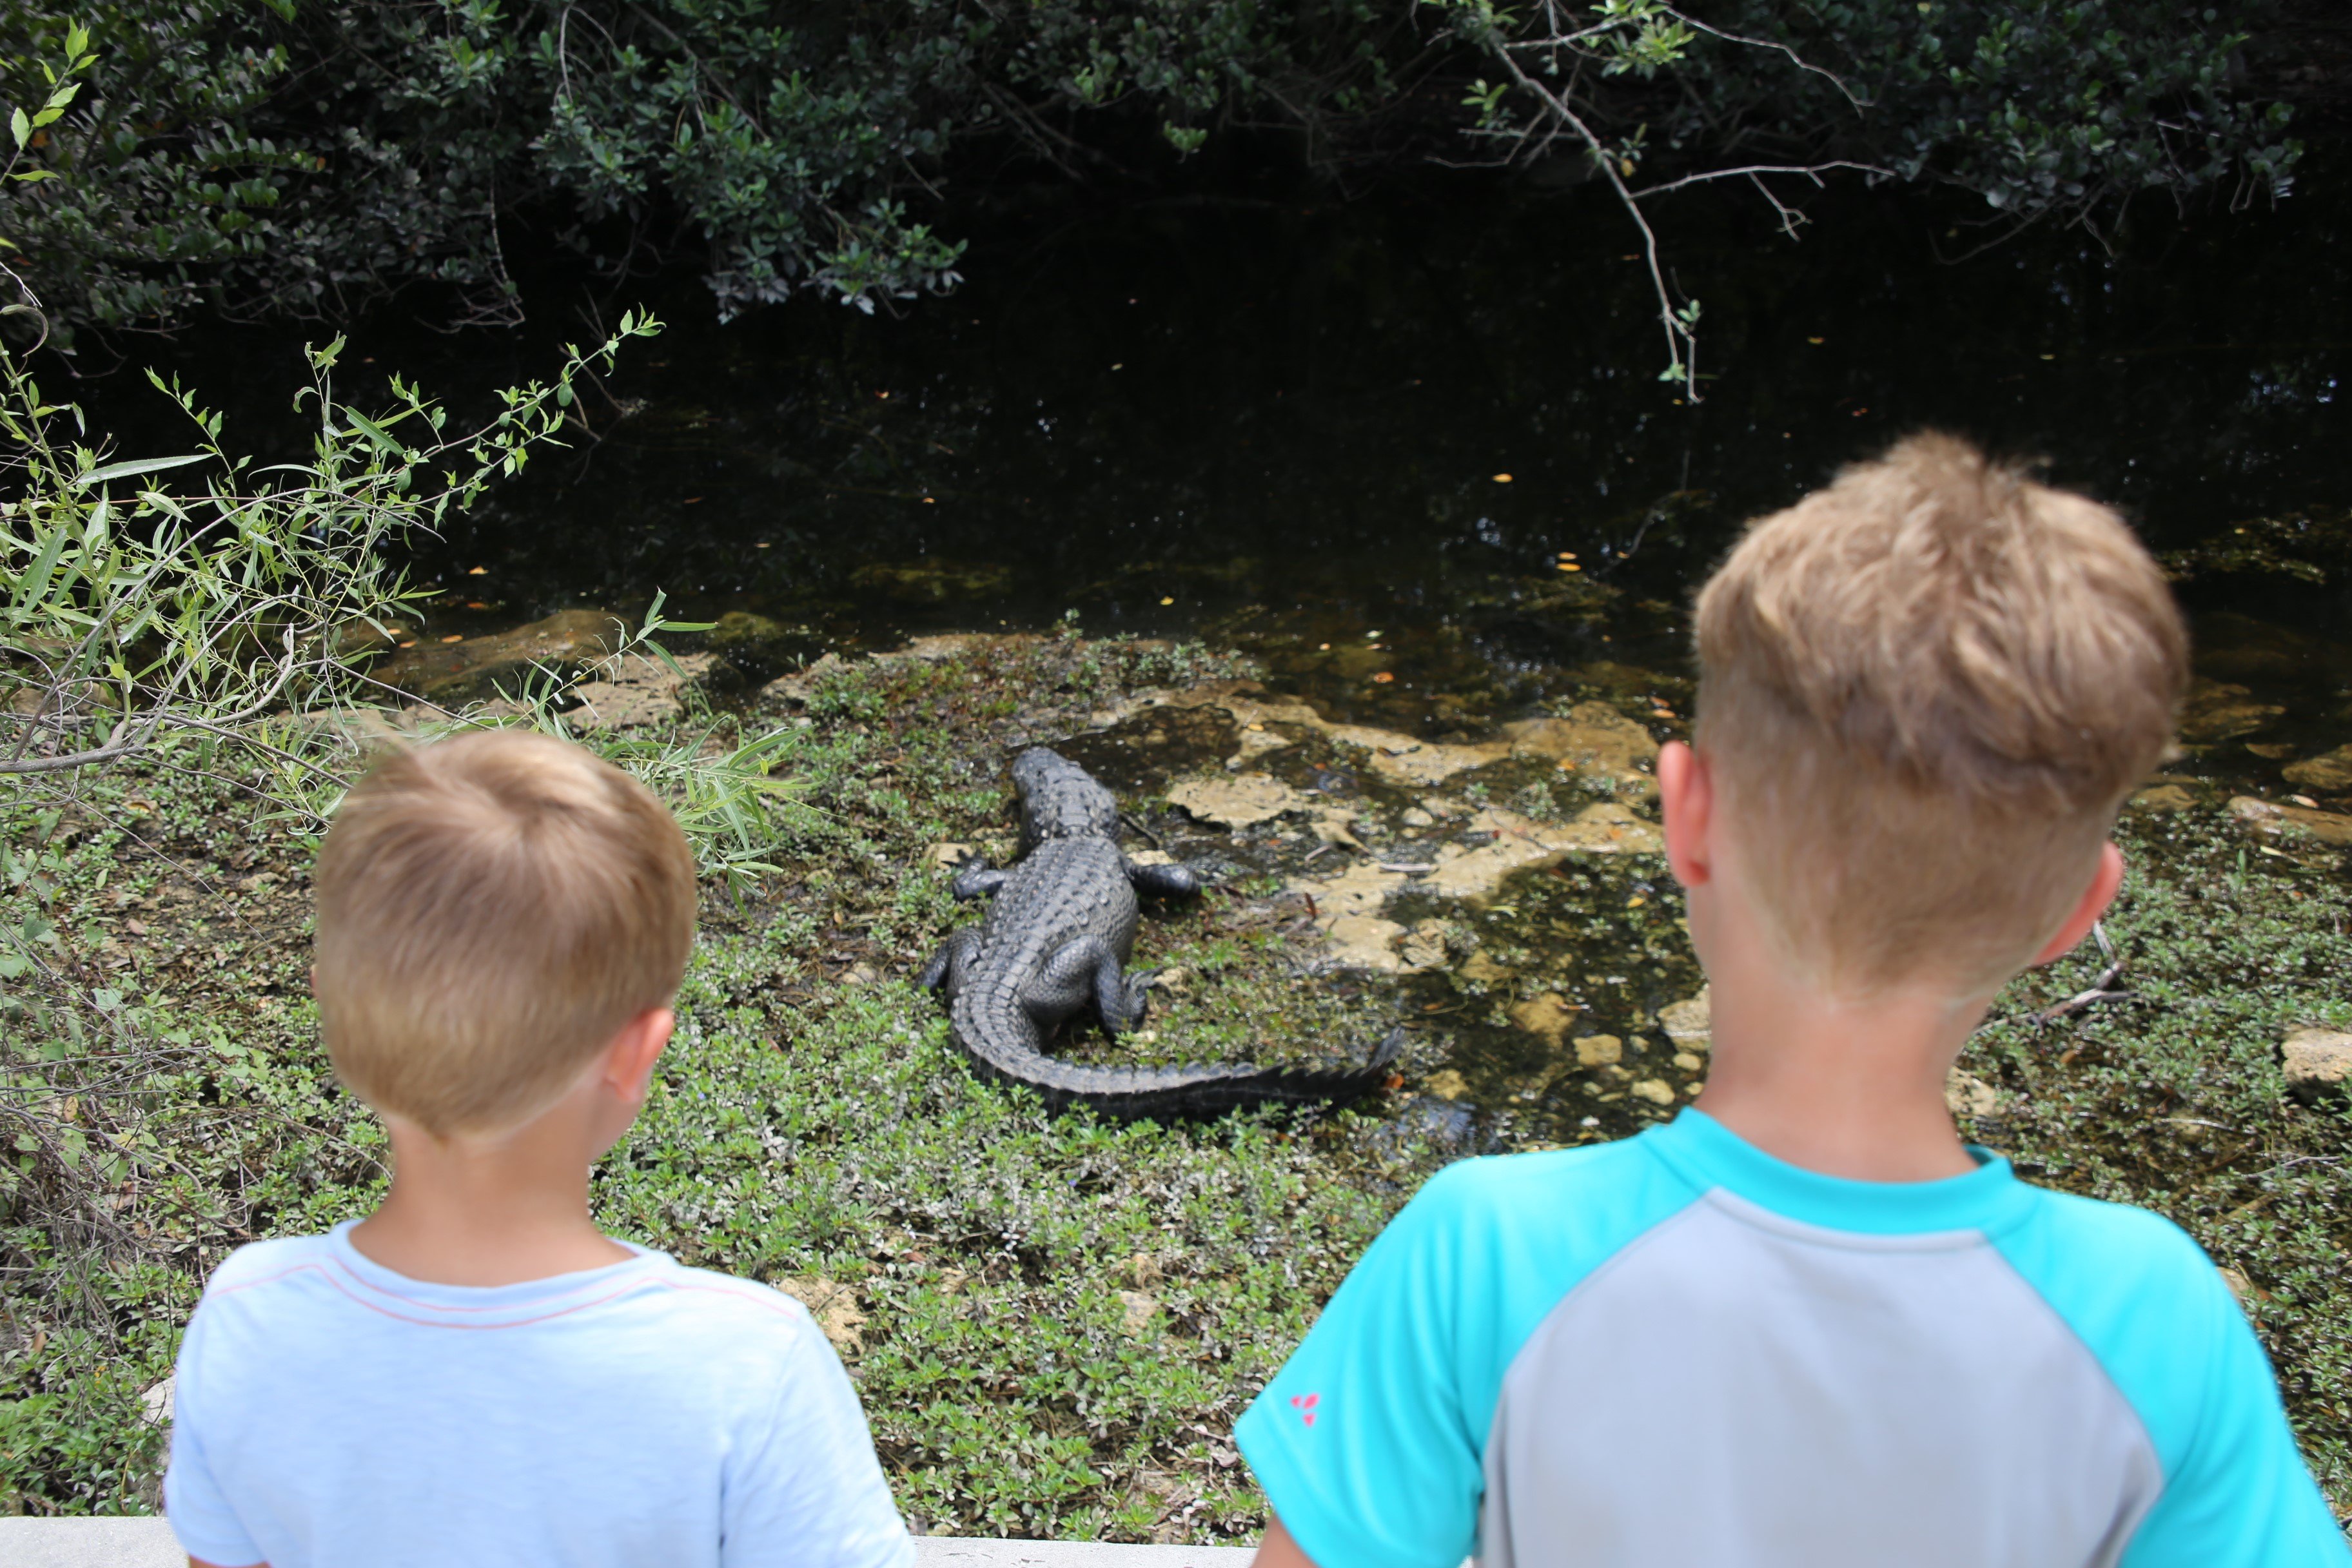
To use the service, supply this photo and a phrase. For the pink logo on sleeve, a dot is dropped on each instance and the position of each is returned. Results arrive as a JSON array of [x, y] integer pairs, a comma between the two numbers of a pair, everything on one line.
[[1305, 1403]]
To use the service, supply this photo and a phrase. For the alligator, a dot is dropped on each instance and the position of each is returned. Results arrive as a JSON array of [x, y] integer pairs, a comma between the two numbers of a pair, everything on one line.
[[1056, 940]]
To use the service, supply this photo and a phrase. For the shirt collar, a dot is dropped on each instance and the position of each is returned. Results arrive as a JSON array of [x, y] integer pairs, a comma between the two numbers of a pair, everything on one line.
[[1709, 1154]]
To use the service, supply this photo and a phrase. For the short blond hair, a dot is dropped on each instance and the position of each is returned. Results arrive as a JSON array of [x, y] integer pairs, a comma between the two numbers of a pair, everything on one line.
[[1925, 691], [492, 908]]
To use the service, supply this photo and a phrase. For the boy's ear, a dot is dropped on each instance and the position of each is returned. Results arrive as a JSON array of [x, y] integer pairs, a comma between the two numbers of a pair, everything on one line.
[[2093, 904], [629, 1060], [1687, 809]]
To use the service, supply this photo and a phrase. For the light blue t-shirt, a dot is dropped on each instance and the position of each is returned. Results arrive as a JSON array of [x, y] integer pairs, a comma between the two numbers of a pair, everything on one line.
[[330, 1413], [1677, 1350]]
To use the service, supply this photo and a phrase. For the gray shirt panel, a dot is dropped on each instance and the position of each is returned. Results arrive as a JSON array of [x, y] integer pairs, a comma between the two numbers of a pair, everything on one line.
[[1739, 1390]]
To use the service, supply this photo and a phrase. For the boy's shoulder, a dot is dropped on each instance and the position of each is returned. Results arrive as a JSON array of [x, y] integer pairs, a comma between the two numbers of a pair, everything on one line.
[[271, 1279]]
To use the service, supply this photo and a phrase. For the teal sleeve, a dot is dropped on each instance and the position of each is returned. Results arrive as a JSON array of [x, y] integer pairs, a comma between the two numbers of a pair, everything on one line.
[[1370, 1442], [2239, 1495], [2153, 1309]]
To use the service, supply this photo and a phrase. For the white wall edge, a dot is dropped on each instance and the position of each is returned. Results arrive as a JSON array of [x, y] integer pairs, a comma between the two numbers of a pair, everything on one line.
[[148, 1543]]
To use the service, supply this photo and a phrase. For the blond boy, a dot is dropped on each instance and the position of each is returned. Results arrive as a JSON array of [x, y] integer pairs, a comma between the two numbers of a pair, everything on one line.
[[473, 1374], [1803, 1325]]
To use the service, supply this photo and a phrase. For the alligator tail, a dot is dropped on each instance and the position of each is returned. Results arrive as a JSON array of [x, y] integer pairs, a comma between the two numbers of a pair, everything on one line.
[[1171, 1093]]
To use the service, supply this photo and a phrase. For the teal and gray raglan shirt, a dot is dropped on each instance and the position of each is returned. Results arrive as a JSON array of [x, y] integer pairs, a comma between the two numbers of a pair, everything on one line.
[[1677, 1350]]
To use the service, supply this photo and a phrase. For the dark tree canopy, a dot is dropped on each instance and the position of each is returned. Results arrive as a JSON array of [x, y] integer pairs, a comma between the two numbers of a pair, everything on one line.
[[249, 157]]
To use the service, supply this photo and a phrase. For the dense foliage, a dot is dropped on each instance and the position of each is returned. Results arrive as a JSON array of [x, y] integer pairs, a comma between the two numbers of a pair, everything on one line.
[[291, 156]]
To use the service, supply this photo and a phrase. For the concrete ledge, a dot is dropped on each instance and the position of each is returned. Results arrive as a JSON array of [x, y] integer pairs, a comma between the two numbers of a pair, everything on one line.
[[148, 1543]]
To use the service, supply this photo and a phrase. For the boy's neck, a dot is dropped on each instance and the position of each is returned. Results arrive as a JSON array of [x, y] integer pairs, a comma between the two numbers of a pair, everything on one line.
[[487, 1212], [1844, 1088]]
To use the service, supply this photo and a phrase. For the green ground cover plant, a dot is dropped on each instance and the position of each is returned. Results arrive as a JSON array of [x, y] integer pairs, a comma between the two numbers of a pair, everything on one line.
[[1053, 1322]]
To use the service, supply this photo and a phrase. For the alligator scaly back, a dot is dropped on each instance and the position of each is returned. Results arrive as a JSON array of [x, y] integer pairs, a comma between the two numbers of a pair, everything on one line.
[[1056, 940]]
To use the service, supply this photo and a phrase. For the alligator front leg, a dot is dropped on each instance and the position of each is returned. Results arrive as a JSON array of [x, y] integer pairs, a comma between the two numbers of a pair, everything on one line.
[[1083, 963], [976, 879], [947, 966], [1170, 881]]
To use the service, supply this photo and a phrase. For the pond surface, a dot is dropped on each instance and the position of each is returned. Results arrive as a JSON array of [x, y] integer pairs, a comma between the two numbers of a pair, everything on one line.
[[1411, 452]]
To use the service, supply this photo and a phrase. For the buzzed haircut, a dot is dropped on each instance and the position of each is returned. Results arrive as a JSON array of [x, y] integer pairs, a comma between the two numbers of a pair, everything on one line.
[[492, 908], [1925, 691]]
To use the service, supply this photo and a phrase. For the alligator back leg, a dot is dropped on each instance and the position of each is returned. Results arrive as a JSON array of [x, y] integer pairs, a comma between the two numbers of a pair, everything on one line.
[[1082, 964], [977, 879], [1169, 881], [946, 965]]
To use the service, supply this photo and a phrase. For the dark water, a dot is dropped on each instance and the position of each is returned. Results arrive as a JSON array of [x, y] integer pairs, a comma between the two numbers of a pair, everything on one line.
[[1284, 423]]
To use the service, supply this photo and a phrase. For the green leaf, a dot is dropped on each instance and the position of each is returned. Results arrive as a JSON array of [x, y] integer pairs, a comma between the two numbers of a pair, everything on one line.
[[138, 466], [20, 127]]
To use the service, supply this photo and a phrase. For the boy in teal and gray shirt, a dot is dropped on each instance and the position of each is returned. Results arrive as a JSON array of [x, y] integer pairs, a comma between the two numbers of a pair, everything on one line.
[[1804, 1326]]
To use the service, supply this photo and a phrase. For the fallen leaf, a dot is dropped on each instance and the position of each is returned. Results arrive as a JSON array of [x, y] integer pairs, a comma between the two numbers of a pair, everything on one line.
[[1569, 566], [761, 545], [1382, 679], [1168, 601], [1501, 479], [1815, 339], [410, 643], [478, 571], [455, 636], [688, 501], [475, 605]]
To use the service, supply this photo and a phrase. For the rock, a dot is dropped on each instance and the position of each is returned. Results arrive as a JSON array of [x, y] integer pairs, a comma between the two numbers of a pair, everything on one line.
[[1473, 876], [1600, 1051], [1446, 1084], [1424, 946], [1137, 1312], [1141, 1270], [1690, 1024], [156, 1402], [447, 674], [2274, 820], [948, 855], [635, 689], [2164, 798], [833, 1306], [1688, 1062], [1243, 801], [861, 974], [1965, 1094], [935, 582], [1416, 763], [2316, 1060], [1593, 737], [1547, 1016], [1656, 1090], [2216, 711], [2244, 1289], [2329, 774], [1335, 824], [1485, 970], [1365, 941], [1361, 890], [1415, 816]]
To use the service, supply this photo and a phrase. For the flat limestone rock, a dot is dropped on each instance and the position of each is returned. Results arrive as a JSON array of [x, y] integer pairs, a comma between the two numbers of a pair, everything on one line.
[[1690, 1024], [2218, 711], [2329, 774], [1593, 737], [1600, 1051], [833, 1306], [2270, 818], [448, 674], [636, 689], [1424, 946], [1965, 1094], [1237, 800], [2316, 1060], [1361, 890], [1473, 876], [1547, 1016], [1367, 943], [2163, 798]]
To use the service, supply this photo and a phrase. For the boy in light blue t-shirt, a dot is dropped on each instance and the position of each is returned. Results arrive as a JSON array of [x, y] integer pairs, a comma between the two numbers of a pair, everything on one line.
[[473, 1374], [1803, 1326]]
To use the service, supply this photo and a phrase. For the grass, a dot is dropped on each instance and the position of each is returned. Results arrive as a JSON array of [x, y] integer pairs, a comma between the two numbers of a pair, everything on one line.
[[1061, 1318]]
